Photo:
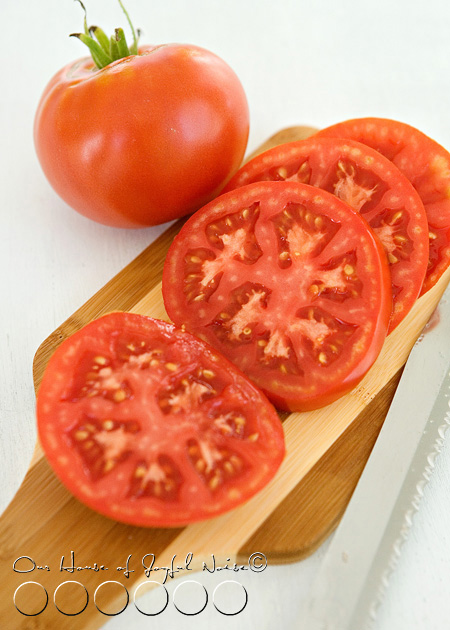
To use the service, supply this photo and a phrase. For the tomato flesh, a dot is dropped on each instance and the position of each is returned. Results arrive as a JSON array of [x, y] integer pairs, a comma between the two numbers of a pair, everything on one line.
[[147, 425], [370, 185], [286, 281], [427, 166]]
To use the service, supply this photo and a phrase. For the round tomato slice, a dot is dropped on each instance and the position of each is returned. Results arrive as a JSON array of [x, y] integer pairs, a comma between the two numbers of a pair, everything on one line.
[[427, 166], [369, 183], [289, 283], [147, 425]]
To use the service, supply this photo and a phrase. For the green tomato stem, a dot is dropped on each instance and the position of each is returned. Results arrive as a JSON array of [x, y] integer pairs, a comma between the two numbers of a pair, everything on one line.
[[86, 30], [114, 48], [104, 51], [101, 37], [134, 45], [122, 45], [101, 59]]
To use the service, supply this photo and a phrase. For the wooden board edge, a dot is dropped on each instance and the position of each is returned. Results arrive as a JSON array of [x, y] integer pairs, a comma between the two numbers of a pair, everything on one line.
[[288, 134], [327, 482]]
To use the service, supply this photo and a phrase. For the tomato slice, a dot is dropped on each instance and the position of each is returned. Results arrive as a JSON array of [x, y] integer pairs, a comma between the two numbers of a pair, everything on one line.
[[370, 185], [427, 166], [147, 425], [289, 283]]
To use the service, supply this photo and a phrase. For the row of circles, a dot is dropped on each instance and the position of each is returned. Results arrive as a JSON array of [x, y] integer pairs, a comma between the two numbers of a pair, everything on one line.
[[200, 598]]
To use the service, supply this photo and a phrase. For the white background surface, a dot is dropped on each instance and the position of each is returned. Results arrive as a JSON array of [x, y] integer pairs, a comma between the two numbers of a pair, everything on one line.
[[313, 63]]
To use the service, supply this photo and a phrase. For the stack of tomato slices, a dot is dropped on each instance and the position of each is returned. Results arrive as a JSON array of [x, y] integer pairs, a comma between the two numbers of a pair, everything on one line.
[[293, 276], [285, 272]]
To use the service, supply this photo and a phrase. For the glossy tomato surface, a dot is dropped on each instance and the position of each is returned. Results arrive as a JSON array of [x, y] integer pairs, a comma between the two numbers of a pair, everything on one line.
[[372, 186], [144, 140], [289, 283], [427, 166], [147, 425]]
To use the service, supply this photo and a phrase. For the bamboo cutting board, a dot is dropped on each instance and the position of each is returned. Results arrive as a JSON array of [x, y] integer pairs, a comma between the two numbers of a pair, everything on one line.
[[289, 519]]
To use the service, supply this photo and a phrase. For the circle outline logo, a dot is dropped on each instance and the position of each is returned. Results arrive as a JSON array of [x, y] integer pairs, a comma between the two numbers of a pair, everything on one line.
[[111, 582], [165, 605], [186, 613], [21, 611], [238, 611], [62, 611]]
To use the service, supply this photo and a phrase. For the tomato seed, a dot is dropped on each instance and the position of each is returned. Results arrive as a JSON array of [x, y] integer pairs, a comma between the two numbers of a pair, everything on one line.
[[318, 222], [109, 465], [172, 367], [108, 425], [348, 270], [253, 437], [81, 435], [392, 259], [200, 465], [214, 482], [234, 459], [100, 360], [228, 466], [119, 395]]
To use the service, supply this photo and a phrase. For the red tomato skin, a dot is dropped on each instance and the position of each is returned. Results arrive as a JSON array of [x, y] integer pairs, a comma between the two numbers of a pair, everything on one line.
[[147, 139]]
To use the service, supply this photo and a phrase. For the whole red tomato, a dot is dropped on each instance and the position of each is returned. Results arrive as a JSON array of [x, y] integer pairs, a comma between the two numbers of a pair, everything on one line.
[[144, 140]]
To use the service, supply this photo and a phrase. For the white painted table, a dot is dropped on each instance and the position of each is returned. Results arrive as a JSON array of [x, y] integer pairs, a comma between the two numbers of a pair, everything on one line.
[[312, 63]]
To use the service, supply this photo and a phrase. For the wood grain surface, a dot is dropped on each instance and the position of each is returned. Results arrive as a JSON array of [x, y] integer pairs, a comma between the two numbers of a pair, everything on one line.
[[326, 452]]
